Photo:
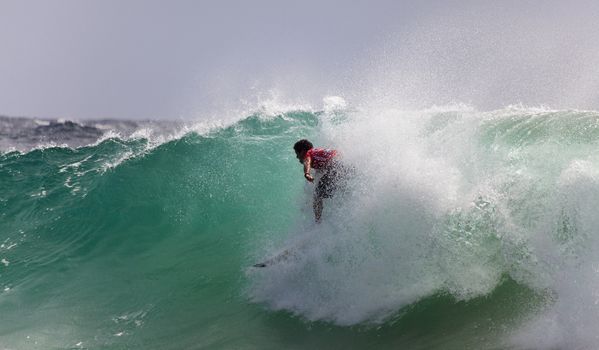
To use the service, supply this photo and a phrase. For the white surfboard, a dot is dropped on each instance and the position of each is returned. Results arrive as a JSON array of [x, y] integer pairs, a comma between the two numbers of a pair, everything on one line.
[[284, 255]]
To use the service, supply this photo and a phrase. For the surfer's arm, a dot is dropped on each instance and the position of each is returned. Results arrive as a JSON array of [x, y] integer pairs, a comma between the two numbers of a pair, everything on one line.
[[307, 167]]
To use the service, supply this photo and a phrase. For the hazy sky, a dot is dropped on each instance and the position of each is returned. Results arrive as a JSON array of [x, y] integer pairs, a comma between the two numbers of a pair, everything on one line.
[[192, 59]]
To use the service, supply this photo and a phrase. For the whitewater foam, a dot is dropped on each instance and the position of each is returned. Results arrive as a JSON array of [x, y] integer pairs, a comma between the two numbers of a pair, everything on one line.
[[449, 200]]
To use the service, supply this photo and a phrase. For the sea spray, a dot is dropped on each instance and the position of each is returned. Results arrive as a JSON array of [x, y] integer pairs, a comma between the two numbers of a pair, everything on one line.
[[449, 200]]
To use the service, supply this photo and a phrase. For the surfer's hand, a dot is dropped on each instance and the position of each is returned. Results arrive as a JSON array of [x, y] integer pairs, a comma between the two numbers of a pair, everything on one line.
[[308, 177]]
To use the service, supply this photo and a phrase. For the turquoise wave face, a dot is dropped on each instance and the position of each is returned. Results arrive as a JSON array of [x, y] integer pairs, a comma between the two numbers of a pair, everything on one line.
[[459, 229], [110, 244]]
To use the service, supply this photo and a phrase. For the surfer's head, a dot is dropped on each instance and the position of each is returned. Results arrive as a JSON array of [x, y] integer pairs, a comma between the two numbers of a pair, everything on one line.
[[301, 147]]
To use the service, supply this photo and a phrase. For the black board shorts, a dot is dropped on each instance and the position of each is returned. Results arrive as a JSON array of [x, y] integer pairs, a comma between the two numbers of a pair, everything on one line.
[[334, 176]]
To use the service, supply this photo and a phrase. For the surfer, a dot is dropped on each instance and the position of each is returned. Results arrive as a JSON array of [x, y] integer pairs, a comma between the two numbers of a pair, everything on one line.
[[324, 161]]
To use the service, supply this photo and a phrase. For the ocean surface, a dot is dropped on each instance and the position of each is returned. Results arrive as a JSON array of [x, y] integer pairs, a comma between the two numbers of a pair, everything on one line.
[[460, 229]]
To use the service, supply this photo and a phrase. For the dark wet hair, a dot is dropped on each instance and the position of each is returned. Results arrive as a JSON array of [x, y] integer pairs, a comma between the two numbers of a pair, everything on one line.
[[302, 145]]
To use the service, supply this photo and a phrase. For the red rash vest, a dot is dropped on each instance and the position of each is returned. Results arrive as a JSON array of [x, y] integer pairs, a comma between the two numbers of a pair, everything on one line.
[[320, 157]]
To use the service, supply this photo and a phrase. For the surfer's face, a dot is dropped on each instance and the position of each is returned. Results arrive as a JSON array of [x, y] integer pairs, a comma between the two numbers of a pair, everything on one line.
[[300, 156]]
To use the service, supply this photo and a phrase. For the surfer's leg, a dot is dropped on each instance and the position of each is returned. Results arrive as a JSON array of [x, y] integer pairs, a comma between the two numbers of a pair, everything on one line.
[[317, 205], [324, 189]]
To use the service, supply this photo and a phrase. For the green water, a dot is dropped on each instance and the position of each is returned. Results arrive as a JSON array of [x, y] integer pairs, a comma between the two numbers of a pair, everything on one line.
[[127, 244]]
